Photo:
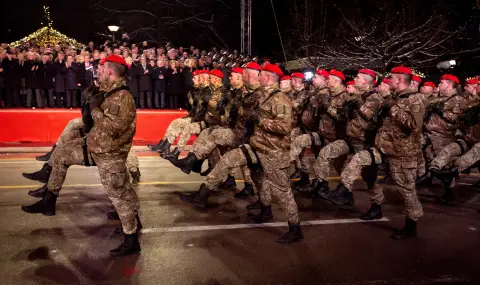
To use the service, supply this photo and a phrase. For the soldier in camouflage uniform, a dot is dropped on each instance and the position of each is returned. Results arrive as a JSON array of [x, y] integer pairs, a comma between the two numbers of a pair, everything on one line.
[[471, 89], [286, 86], [441, 119], [351, 89], [331, 122], [212, 119], [467, 138], [231, 134], [267, 155], [428, 91], [106, 145], [359, 115], [397, 142], [176, 126]]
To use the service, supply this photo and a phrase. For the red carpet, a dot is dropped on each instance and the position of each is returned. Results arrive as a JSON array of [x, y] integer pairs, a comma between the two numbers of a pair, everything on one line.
[[44, 126]]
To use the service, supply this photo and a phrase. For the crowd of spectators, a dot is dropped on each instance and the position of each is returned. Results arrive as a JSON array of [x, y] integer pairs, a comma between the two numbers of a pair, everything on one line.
[[54, 75]]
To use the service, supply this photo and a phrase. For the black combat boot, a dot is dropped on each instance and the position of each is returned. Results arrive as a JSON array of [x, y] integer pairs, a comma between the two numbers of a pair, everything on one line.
[[303, 182], [186, 164], [374, 213], [265, 215], [424, 180], [294, 234], [320, 188], [171, 155], [255, 205], [201, 199], [130, 245], [39, 193], [113, 215], [135, 176], [42, 175], [297, 174], [165, 148], [341, 196], [207, 171], [246, 192], [46, 156], [197, 168], [46, 206], [410, 230], [446, 176], [156, 147], [229, 183]]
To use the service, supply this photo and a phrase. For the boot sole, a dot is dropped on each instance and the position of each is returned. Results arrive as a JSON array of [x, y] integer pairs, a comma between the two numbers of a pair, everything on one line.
[[41, 159], [371, 219], [186, 171], [39, 180], [125, 254], [36, 195], [289, 242]]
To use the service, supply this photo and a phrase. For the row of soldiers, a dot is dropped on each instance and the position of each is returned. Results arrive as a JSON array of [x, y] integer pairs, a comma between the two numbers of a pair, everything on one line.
[[266, 121]]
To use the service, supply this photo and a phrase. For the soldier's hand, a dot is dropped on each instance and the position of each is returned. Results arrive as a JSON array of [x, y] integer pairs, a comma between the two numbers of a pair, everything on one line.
[[96, 101]]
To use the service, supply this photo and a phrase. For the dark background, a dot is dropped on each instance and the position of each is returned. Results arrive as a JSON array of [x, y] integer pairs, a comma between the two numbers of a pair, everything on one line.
[[80, 20]]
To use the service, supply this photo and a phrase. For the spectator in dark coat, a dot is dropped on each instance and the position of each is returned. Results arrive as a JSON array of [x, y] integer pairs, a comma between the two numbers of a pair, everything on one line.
[[188, 79], [159, 79], [174, 84], [33, 81], [60, 70], [2, 82], [48, 73], [70, 81], [81, 81], [145, 85], [12, 75], [131, 79]]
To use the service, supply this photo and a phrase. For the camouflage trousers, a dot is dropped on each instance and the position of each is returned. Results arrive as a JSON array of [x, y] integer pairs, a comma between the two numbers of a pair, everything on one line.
[[176, 128], [207, 144], [432, 148], [336, 153], [113, 175], [189, 130], [402, 173], [451, 153], [298, 154], [468, 159], [268, 180], [72, 131]]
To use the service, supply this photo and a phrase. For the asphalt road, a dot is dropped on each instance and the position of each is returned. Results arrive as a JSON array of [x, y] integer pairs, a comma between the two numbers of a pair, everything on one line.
[[182, 245]]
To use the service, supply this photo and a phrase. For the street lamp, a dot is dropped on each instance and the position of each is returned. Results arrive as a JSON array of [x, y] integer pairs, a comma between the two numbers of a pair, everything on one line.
[[113, 29]]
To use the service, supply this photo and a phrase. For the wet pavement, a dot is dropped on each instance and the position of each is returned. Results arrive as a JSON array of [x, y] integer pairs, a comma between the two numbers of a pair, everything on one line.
[[183, 245]]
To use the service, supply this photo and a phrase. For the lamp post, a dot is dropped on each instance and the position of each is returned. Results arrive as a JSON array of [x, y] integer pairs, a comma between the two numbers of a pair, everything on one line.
[[113, 29]]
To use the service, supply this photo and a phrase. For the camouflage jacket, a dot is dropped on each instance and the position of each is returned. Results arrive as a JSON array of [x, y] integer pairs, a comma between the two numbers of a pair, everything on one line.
[[248, 107], [357, 126], [444, 124], [399, 136], [114, 123], [233, 101], [298, 98], [203, 95], [193, 99], [212, 116], [312, 107], [334, 113], [272, 133]]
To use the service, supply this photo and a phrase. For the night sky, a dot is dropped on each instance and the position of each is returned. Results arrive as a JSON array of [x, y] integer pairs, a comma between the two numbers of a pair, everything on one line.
[[79, 19]]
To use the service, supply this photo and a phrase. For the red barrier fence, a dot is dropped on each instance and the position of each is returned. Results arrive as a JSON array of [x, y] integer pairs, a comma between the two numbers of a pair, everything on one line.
[[44, 126]]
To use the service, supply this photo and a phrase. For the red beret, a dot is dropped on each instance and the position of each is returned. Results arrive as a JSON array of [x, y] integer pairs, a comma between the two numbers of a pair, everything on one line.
[[375, 82], [273, 69], [286, 77], [254, 66], [204, 71], [298, 75], [386, 81], [472, 81], [429, 83], [323, 73], [337, 73], [450, 77], [402, 70], [351, 82], [116, 59], [102, 61], [216, 73], [237, 70], [417, 78], [367, 72], [196, 73]]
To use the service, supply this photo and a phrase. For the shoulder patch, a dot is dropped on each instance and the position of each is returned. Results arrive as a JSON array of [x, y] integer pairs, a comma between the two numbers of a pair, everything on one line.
[[114, 109], [280, 109], [416, 108]]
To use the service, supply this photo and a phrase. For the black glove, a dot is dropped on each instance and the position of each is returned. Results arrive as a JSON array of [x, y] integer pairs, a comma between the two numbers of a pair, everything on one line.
[[96, 101]]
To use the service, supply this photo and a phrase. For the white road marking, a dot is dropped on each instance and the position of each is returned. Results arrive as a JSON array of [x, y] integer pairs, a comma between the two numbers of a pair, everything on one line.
[[248, 226]]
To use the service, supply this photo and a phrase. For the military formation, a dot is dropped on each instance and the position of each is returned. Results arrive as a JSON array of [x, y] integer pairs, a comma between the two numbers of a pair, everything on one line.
[[264, 124]]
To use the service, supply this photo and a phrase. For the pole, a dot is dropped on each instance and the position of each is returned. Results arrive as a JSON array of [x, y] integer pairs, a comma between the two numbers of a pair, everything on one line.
[[113, 37]]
